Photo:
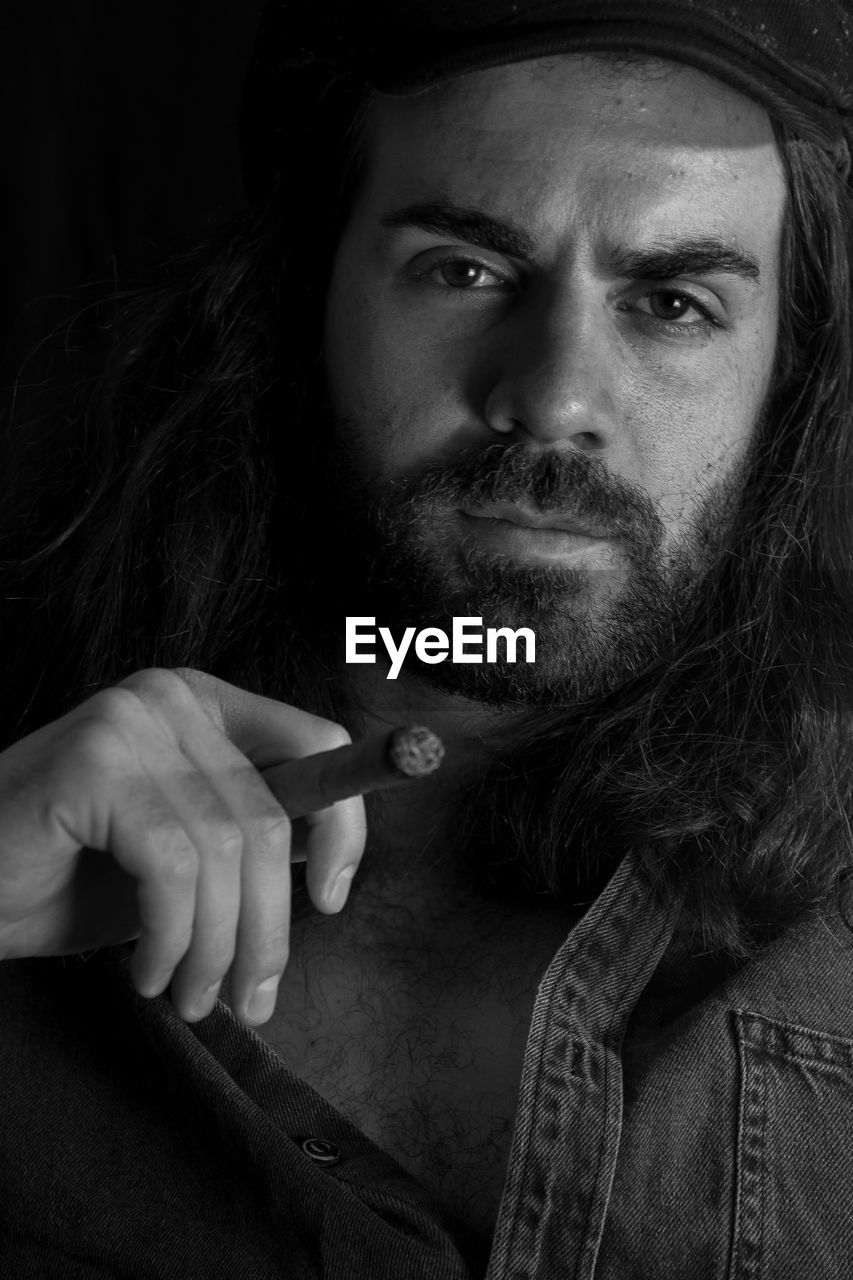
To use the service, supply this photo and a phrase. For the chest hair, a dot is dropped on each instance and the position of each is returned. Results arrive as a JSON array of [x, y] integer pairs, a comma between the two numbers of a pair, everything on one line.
[[420, 1044]]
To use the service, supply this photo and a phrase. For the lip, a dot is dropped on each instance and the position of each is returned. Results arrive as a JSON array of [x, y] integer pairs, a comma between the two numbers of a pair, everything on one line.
[[528, 518]]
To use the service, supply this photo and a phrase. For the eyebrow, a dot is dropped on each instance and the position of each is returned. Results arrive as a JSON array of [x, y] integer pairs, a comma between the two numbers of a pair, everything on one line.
[[693, 255], [470, 225]]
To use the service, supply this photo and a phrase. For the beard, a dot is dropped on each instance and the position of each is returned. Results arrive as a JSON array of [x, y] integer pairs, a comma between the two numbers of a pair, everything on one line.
[[404, 562]]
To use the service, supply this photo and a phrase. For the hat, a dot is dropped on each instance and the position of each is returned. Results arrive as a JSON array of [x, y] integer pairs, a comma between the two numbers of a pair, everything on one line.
[[794, 57]]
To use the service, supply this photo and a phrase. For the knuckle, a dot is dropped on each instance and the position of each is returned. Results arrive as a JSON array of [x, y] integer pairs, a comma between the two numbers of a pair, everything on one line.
[[213, 960], [158, 686], [176, 862], [219, 954], [105, 727], [271, 954], [98, 744], [269, 830], [226, 842], [186, 674], [118, 705], [200, 689]]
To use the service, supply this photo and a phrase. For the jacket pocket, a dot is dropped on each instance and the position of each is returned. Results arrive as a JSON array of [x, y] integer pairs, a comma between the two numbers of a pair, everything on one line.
[[794, 1180]]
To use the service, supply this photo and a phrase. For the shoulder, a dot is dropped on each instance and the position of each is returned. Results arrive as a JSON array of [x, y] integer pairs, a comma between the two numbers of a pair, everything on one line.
[[738, 1110]]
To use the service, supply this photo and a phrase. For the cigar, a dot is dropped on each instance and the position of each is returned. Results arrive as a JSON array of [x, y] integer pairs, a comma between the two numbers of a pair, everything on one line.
[[385, 760]]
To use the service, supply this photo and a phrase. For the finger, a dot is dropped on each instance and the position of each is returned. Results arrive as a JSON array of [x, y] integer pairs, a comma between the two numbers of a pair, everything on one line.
[[149, 842], [137, 812], [269, 733], [336, 839], [217, 838], [159, 715], [263, 926], [265, 731], [263, 931], [242, 917]]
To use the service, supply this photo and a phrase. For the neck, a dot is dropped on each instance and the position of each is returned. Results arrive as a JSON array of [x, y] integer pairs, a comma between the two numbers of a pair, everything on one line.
[[412, 828]]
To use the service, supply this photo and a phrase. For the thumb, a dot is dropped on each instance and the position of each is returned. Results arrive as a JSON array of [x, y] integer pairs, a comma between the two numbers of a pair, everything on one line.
[[266, 731]]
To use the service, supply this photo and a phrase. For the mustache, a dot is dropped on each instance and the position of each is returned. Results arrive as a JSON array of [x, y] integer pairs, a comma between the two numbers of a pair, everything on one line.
[[561, 482]]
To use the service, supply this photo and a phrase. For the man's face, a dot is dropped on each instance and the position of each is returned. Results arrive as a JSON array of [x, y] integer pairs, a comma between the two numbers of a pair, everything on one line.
[[550, 334]]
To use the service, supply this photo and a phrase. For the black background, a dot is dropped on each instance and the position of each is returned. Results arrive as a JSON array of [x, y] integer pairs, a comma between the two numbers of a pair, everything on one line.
[[120, 145]]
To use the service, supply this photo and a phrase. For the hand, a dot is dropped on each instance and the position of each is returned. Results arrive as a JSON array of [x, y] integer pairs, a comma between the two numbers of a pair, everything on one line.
[[143, 814]]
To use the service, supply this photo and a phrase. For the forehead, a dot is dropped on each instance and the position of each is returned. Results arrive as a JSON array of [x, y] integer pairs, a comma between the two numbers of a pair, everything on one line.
[[583, 140]]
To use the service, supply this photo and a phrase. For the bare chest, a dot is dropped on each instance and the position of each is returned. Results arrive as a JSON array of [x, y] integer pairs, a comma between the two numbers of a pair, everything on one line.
[[427, 1069]]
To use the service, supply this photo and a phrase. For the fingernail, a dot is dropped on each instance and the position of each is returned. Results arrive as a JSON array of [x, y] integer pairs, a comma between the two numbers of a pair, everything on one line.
[[205, 1002], [262, 1002], [337, 895], [152, 987]]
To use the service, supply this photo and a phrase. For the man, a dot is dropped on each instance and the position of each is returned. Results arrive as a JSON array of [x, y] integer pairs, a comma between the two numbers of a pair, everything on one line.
[[586, 370]]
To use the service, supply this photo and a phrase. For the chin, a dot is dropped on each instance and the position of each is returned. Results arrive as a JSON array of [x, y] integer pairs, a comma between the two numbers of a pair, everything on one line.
[[576, 661]]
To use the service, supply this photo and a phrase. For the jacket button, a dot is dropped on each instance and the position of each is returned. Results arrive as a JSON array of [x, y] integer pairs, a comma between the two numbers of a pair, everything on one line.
[[321, 1151]]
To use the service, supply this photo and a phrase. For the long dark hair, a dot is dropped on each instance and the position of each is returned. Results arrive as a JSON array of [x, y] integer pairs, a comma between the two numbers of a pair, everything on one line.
[[141, 527], [727, 766]]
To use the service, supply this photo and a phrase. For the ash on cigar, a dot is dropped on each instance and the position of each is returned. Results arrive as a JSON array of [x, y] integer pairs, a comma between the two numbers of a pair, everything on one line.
[[415, 750]]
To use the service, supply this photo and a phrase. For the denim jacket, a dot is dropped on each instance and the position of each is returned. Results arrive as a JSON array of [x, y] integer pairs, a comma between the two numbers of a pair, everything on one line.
[[679, 1118]]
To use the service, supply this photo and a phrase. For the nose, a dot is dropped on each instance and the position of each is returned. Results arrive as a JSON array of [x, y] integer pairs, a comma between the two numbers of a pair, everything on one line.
[[555, 376]]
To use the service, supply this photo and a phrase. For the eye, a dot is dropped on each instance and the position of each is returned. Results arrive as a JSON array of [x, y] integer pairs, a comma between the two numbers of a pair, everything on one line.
[[672, 306], [460, 274]]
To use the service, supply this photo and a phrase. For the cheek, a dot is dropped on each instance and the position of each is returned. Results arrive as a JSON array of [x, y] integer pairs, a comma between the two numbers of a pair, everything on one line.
[[693, 432], [350, 342], [391, 388]]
